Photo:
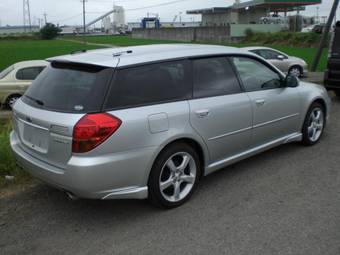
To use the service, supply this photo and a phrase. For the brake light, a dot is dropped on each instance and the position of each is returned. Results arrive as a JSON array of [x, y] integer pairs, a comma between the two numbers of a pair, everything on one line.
[[92, 130]]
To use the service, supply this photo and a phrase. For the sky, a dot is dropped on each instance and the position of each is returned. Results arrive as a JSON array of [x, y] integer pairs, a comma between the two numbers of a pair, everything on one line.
[[69, 12]]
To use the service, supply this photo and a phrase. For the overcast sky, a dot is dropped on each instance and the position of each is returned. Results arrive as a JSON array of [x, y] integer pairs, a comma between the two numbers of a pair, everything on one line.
[[69, 11]]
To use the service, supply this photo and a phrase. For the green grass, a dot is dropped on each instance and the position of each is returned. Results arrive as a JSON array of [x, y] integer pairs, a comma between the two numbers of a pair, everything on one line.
[[7, 161], [120, 40], [306, 53], [12, 51]]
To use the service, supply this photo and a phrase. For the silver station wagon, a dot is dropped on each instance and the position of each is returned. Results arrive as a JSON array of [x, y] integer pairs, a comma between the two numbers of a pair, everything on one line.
[[150, 121]]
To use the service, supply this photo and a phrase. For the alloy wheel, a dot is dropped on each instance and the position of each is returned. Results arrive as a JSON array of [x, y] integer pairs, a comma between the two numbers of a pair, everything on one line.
[[315, 124], [295, 71], [178, 176]]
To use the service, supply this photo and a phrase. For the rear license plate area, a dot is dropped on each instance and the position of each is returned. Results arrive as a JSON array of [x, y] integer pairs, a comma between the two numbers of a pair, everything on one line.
[[36, 138]]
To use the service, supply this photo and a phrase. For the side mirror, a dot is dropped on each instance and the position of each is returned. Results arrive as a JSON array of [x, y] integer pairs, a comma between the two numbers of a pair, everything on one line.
[[280, 57], [291, 81]]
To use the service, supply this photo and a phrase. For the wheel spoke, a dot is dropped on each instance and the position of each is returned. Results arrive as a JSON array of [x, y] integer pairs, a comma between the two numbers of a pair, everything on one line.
[[318, 115], [184, 163], [319, 126], [166, 184], [188, 178], [171, 165], [177, 190], [310, 130], [314, 133]]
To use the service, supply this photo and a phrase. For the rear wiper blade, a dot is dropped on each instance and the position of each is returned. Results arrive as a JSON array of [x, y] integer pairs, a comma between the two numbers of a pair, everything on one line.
[[39, 102]]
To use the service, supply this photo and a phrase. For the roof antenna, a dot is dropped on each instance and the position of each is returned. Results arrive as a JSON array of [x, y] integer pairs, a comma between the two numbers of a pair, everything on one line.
[[117, 54]]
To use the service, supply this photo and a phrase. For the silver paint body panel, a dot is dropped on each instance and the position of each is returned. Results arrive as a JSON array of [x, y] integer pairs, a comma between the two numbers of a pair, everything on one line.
[[228, 128]]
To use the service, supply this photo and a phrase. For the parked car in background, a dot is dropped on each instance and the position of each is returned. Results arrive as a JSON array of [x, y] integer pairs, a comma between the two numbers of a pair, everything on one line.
[[273, 19], [150, 121], [308, 29], [287, 64], [332, 74], [16, 79]]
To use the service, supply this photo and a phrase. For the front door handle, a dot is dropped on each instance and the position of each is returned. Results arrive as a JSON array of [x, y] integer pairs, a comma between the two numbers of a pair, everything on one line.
[[202, 113], [260, 102]]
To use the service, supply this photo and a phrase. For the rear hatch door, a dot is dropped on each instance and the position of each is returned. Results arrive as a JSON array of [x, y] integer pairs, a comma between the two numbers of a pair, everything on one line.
[[62, 94]]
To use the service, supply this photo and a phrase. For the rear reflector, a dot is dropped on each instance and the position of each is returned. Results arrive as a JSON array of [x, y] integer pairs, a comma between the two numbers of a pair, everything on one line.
[[92, 130]]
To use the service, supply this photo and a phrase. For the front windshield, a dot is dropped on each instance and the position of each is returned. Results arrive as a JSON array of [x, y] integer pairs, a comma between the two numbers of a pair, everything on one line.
[[5, 72]]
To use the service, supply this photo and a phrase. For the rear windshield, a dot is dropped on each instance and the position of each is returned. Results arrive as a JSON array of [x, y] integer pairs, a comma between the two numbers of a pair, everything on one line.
[[69, 88]]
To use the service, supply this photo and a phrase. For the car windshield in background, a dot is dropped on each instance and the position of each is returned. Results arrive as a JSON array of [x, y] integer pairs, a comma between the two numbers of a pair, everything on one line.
[[5, 72], [67, 87]]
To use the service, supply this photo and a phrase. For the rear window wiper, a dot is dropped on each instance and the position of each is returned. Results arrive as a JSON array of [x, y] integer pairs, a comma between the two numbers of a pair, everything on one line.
[[39, 102]]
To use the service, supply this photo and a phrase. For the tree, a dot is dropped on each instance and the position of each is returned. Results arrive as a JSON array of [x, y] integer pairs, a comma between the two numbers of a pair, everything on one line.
[[49, 31]]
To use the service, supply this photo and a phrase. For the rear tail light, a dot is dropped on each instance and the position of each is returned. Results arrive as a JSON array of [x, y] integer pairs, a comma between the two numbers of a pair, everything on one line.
[[92, 130]]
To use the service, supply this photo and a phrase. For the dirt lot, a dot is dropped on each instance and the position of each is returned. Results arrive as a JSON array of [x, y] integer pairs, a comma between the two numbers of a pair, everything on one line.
[[284, 201]]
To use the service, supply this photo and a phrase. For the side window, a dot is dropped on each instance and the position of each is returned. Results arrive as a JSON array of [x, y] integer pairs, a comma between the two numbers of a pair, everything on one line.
[[214, 77], [154, 83], [270, 54], [255, 75], [29, 73]]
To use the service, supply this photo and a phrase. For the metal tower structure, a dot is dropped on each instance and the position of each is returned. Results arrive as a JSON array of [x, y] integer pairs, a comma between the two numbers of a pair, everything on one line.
[[27, 15]]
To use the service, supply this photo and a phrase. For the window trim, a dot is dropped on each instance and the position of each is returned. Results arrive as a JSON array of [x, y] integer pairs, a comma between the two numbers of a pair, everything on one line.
[[282, 77], [30, 67]]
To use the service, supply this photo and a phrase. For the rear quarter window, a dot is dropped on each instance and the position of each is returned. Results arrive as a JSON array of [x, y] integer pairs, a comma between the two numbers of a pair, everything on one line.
[[70, 88], [150, 84], [29, 73]]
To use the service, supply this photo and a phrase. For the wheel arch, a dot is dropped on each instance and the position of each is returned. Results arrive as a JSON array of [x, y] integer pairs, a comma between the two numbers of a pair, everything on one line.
[[197, 144], [319, 100]]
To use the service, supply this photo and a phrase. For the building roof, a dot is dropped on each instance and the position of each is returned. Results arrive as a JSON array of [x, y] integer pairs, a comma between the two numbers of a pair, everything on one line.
[[274, 5], [145, 54]]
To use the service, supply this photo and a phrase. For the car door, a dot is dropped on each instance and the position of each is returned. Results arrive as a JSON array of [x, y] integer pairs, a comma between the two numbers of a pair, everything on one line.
[[276, 109], [220, 111]]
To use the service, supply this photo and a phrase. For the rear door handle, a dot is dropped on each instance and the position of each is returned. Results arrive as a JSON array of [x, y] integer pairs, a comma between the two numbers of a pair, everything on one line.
[[202, 113], [260, 102]]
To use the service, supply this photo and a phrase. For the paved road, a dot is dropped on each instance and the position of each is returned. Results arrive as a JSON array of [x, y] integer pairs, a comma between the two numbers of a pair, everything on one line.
[[285, 201]]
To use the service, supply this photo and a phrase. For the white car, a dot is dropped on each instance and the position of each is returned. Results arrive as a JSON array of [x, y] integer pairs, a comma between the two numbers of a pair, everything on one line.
[[273, 19], [16, 79], [287, 64]]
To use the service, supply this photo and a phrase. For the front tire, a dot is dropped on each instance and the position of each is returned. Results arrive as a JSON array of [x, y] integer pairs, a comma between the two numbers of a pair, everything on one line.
[[174, 176], [314, 125]]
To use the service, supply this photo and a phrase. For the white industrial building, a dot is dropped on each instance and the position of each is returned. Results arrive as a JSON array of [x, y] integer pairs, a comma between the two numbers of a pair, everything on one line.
[[6, 30]]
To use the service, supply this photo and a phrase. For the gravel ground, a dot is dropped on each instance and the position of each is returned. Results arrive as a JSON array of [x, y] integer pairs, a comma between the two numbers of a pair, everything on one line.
[[284, 201]]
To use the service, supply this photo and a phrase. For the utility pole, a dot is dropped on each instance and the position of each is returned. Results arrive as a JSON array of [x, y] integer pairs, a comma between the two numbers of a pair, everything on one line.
[[45, 17], [84, 18], [27, 15], [324, 36]]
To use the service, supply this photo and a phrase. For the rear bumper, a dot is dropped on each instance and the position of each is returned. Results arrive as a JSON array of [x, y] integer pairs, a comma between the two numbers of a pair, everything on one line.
[[117, 176]]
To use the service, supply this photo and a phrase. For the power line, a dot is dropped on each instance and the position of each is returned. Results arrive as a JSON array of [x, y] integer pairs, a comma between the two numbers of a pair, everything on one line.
[[133, 9]]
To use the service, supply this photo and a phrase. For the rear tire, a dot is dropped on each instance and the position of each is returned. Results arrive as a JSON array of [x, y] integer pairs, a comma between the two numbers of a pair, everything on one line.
[[314, 125], [174, 176], [10, 101], [296, 71]]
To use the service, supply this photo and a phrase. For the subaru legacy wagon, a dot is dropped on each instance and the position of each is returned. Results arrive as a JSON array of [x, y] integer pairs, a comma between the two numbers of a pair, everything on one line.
[[150, 121]]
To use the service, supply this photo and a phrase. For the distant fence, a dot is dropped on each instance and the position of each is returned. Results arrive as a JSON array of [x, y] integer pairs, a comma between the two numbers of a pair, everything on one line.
[[185, 34]]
